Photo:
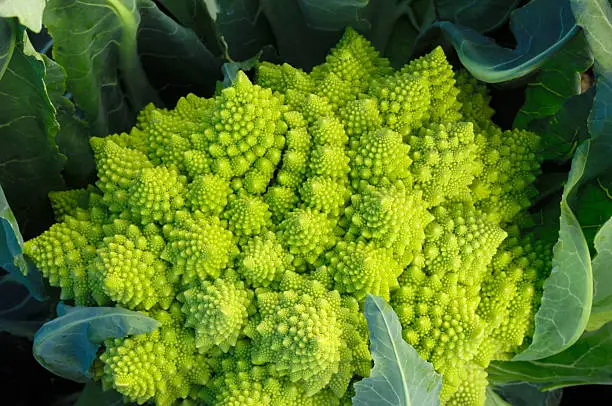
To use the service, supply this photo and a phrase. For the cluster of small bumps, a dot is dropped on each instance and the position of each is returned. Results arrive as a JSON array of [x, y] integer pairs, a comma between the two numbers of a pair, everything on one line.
[[253, 224]]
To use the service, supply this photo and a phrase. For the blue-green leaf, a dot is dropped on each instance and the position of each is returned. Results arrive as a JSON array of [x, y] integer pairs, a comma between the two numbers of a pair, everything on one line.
[[399, 377], [29, 12], [67, 345], [541, 27]]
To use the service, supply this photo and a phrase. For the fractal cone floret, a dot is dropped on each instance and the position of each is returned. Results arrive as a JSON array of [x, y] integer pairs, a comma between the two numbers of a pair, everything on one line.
[[253, 224]]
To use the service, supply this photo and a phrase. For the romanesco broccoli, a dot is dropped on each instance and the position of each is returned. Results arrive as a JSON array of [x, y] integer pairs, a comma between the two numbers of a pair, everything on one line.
[[253, 224]]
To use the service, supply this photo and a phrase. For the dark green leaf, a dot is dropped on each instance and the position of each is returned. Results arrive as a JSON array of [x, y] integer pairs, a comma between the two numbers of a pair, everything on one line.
[[568, 292], [602, 278], [564, 130], [482, 15], [194, 14], [30, 162], [396, 25], [29, 12], [526, 394], [559, 78], [96, 42], [93, 395], [230, 69], [295, 41], [67, 345], [593, 208], [8, 39], [399, 376], [174, 59], [21, 314], [567, 299], [392, 26], [11, 253], [595, 17], [73, 135], [331, 15], [588, 361], [493, 399], [541, 27], [243, 27]]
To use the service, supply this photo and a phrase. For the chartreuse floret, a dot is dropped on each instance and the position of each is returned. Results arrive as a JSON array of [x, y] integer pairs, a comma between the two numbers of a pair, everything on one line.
[[380, 158], [199, 247], [444, 161], [127, 270], [303, 332], [511, 162], [217, 311], [163, 365], [438, 75], [253, 224], [263, 260], [392, 217]]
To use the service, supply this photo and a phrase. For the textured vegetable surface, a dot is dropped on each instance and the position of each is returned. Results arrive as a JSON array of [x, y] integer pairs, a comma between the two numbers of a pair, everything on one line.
[[253, 224]]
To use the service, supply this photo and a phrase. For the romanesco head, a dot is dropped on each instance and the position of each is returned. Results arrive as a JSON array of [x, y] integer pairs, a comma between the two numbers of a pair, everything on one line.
[[253, 224]]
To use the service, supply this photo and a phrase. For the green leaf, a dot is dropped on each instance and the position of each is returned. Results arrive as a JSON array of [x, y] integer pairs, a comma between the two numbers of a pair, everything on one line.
[[21, 314], [29, 12], [11, 253], [563, 131], [595, 17], [302, 32], [230, 69], [493, 399], [541, 27], [67, 345], [94, 395], [96, 43], [331, 15], [525, 394], [174, 59], [602, 278], [399, 376], [30, 162], [559, 78], [568, 292], [73, 136], [194, 14], [593, 208], [588, 361], [396, 25], [8, 40], [482, 16], [567, 299], [243, 27]]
